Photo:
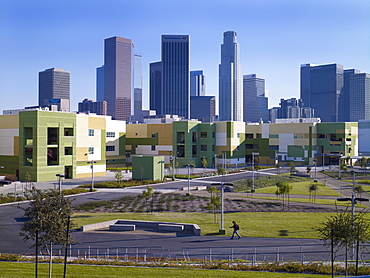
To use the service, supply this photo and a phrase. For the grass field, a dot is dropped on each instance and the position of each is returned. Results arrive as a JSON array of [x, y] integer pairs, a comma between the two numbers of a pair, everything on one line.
[[317, 201], [301, 188], [252, 224], [24, 270]]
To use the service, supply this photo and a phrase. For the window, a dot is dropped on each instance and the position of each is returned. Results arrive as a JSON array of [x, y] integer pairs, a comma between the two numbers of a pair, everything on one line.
[[249, 146], [180, 137], [249, 136], [203, 148], [110, 134], [153, 148], [274, 147], [213, 148], [298, 148], [238, 135], [299, 135], [180, 151], [194, 137], [237, 148], [194, 150], [154, 135], [203, 134], [274, 136], [110, 148], [68, 151], [52, 136], [68, 131], [90, 150], [91, 132], [52, 156], [213, 134]]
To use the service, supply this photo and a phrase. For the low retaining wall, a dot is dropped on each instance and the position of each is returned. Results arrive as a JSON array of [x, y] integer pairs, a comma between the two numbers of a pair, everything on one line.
[[181, 229]]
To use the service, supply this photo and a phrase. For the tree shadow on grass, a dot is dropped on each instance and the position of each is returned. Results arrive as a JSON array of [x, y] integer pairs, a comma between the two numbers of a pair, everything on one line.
[[283, 233]]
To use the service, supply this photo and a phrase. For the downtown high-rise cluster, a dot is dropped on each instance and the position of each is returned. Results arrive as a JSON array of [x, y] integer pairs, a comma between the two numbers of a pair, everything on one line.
[[327, 92]]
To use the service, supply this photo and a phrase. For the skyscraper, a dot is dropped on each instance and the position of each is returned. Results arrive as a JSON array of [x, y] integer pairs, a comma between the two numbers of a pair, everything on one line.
[[175, 96], [203, 108], [359, 97], [230, 80], [255, 104], [100, 83], [118, 76], [138, 87], [54, 88], [321, 89], [155, 85], [197, 83]]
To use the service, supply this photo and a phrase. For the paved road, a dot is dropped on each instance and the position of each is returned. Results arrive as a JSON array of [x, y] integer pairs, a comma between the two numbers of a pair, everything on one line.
[[11, 220]]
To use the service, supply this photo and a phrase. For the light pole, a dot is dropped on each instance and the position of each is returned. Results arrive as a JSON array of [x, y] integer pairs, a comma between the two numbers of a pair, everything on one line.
[[173, 159], [92, 162], [222, 184], [315, 161], [215, 155], [253, 154], [188, 166], [60, 181]]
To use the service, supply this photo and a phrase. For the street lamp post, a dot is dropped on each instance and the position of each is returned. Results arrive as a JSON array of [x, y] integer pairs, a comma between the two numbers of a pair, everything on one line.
[[60, 181], [253, 154], [188, 166], [222, 227], [92, 162], [215, 155], [339, 177], [315, 161]]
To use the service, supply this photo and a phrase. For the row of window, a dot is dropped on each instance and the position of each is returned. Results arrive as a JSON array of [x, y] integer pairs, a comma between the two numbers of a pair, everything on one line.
[[91, 132]]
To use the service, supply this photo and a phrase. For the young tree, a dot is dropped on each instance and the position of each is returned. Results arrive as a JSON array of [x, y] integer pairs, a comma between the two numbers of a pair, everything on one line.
[[118, 175], [342, 231], [204, 163], [283, 190], [291, 167], [312, 188], [215, 202], [146, 195], [49, 221]]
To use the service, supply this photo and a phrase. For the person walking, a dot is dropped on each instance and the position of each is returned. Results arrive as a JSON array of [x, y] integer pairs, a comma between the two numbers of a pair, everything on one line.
[[236, 229]]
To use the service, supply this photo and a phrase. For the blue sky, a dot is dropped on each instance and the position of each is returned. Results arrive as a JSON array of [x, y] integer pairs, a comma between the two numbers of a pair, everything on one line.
[[275, 38]]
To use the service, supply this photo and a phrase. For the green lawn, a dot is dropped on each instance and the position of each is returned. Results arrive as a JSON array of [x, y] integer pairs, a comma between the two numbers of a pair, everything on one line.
[[317, 201], [252, 224], [24, 270], [301, 188]]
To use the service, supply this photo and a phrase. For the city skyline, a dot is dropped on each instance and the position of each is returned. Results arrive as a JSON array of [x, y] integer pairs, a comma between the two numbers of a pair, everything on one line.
[[275, 39]]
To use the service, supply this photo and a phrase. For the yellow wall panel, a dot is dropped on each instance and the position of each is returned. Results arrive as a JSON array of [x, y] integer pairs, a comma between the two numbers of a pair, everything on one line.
[[9, 121], [136, 131], [16, 146], [96, 123]]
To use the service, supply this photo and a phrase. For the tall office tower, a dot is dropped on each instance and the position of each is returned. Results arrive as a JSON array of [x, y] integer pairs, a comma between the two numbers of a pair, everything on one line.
[[155, 85], [344, 100], [230, 94], [321, 88], [197, 83], [203, 108], [100, 83], [54, 88], [118, 76], [138, 88], [359, 97], [255, 104], [175, 96]]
